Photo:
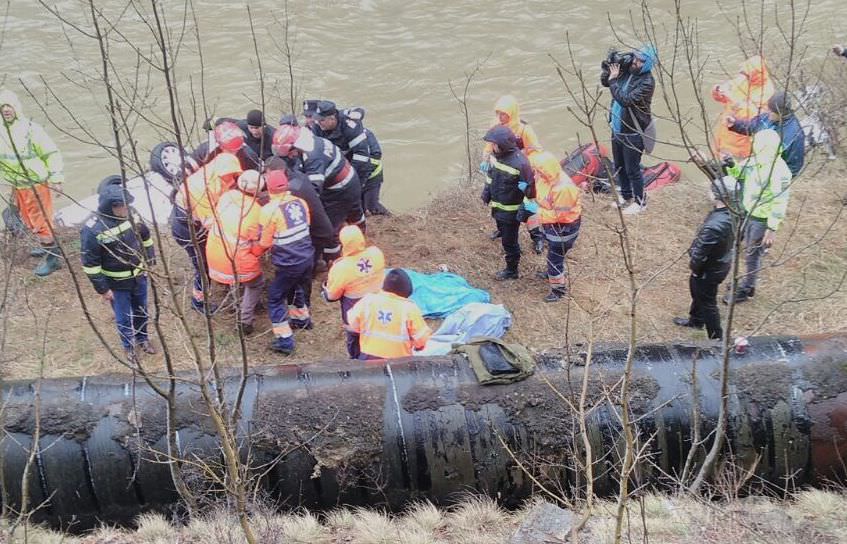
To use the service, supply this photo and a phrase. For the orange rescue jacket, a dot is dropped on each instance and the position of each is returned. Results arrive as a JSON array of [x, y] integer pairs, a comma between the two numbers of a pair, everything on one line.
[[524, 133], [389, 325], [358, 272], [558, 201], [743, 97], [234, 231], [199, 193]]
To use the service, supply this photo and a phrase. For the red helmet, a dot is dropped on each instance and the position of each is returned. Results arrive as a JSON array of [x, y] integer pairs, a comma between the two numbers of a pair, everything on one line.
[[284, 139], [229, 136], [276, 181]]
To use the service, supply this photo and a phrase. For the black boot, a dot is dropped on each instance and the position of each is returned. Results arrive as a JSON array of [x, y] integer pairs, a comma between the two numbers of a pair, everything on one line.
[[538, 246], [741, 295], [687, 322], [496, 234], [506, 274], [555, 295]]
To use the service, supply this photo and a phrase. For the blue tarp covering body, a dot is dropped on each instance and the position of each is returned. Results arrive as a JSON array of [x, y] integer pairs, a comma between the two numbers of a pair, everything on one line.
[[439, 295]]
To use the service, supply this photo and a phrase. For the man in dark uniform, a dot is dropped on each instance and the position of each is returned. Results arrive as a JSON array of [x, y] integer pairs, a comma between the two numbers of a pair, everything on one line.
[[112, 250], [508, 168]]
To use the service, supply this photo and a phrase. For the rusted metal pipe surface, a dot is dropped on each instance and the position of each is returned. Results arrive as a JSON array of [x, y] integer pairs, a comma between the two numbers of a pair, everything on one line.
[[384, 433]]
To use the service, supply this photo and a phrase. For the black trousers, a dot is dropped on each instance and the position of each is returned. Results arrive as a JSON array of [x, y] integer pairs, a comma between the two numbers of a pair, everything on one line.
[[509, 227], [704, 303]]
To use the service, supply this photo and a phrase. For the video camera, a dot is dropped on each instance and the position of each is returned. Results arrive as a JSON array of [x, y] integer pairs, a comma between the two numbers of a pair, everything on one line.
[[616, 57]]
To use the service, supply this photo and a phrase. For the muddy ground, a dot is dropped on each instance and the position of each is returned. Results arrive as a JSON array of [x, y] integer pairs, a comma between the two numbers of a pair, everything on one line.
[[801, 290]]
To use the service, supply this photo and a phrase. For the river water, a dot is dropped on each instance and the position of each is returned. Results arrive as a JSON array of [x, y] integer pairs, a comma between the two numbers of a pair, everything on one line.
[[394, 58]]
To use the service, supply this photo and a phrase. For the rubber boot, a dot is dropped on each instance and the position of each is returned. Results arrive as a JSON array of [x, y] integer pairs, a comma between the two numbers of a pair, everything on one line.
[[49, 264], [506, 274], [555, 295], [284, 345], [37, 251]]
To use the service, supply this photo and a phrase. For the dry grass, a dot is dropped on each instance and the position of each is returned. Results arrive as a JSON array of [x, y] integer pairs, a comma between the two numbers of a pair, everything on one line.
[[811, 516], [794, 296]]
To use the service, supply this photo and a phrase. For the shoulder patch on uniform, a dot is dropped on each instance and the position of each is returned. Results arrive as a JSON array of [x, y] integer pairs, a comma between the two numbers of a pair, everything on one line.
[[351, 124]]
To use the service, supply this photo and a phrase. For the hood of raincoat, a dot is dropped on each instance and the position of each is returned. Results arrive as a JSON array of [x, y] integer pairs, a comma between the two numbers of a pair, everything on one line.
[[110, 196], [755, 70], [648, 54], [9, 98], [547, 165], [508, 104], [766, 146], [503, 137], [352, 240]]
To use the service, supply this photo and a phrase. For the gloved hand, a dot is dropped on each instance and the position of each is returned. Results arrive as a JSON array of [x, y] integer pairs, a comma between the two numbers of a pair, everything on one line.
[[522, 185], [531, 206], [484, 167]]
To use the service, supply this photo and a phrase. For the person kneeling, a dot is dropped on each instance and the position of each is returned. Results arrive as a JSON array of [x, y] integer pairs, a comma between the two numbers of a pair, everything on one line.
[[388, 324], [711, 258]]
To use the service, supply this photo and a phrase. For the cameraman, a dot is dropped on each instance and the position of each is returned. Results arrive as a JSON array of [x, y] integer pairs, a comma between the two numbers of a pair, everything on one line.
[[629, 79]]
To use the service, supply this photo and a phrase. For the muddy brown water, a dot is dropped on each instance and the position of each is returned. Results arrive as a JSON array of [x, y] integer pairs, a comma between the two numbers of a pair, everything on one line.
[[394, 58]]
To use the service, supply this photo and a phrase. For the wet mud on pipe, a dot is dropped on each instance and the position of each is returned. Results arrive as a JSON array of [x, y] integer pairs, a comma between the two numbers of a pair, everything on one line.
[[384, 433]]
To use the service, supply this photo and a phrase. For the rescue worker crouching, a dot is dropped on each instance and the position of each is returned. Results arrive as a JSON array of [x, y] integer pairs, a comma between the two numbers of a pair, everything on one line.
[[112, 260], [389, 325], [194, 208], [509, 167], [560, 212], [31, 163], [358, 272], [234, 231], [285, 231]]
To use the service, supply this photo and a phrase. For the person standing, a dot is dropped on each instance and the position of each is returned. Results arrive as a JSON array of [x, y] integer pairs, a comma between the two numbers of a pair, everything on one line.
[[358, 272], [630, 118], [766, 180], [233, 233], [285, 231], [112, 248], [389, 325], [560, 213], [710, 259], [32, 164], [779, 117]]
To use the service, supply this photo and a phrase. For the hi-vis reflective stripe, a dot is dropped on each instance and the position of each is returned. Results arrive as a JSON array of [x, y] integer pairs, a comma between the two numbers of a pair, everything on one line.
[[343, 183], [114, 232], [568, 238], [505, 167], [92, 270], [292, 235], [300, 314], [386, 336], [147, 243], [282, 329], [123, 274], [331, 250], [505, 207], [377, 168], [361, 158], [358, 139], [316, 177]]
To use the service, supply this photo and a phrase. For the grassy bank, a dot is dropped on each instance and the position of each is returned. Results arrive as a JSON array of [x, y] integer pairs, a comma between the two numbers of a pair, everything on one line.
[[816, 516]]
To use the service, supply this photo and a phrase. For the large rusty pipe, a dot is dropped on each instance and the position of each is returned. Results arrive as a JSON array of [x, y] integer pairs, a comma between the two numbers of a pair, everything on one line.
[[387, 432]]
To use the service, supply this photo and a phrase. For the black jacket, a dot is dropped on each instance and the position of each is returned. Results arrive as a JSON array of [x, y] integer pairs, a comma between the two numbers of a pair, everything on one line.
[[352, 139], [635, 93], [509, 167], [711, 251], [111, 250]]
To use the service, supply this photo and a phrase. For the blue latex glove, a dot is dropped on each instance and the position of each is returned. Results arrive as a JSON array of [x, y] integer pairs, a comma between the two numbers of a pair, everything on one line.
[[531, 206], [522, 185], [484, 166]]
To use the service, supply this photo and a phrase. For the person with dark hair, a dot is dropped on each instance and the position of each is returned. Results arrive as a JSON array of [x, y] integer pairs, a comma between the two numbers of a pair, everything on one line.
[[114, 253], [779, 117], [508, 168], [389, 325], [710, 259], [840, 50], [630, 119]]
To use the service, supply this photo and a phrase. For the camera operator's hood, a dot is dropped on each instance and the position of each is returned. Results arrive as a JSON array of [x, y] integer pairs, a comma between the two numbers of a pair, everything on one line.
[[648, 54]]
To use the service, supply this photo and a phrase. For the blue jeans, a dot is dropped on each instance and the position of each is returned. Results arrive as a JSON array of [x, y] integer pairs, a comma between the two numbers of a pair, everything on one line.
[[130, 307], [626, 152]]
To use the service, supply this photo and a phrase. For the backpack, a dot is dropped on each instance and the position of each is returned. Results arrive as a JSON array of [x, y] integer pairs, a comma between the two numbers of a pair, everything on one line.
[[589, 166], [659, 175]]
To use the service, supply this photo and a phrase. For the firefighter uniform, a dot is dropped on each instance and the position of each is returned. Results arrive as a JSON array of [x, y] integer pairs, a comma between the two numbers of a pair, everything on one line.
[[560, 211], [30, 162], [357, 273], [508, 168], [194, 207], [388, 323], [351, 137], [112, 260], [285, 231]]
